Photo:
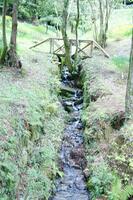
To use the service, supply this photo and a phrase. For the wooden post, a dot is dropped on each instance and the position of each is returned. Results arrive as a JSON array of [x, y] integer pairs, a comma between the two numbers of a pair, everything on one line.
[[91, 49], [51, 45], [70, 47]]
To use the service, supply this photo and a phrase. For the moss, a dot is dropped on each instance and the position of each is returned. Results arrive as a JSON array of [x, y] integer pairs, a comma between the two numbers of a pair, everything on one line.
[[108, 144], [120, 154], [31, 126]]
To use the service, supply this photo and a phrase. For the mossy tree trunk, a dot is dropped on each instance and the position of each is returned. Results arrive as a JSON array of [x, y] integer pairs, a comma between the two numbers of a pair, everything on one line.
[[5, 47], [101, 9], [129, 94], [67, 46], [76, 28], [104, 10], [12, 57], [94, 20]]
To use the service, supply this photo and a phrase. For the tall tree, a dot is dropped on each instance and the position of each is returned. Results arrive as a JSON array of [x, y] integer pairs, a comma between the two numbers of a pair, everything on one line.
[[5, 47], [77, 25], [12, 57], [129, 93], [105, 11], [101, 11], [65, 15]]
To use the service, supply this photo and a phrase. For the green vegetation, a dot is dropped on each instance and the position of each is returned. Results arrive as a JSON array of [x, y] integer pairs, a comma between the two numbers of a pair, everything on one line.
[[108, 146], [31, 126], [121, 62], [117, 192], [120, 24], [100, 181], [32, 118]]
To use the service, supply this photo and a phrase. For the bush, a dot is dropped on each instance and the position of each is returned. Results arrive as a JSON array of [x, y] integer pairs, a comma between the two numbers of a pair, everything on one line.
[[100, 180], [119, 192]]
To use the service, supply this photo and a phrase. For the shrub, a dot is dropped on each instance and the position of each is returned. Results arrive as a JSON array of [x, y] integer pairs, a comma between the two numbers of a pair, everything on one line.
[[100, 180], [119, 192]]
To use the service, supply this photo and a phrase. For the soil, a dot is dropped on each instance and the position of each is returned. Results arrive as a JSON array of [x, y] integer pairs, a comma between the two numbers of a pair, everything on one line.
[[119, 48]]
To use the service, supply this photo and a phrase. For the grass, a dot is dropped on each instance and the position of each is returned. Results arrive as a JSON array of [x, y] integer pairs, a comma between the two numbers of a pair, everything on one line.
[[121, 62], [120, 24], [31, 119], [28, 35], [107, 152], [31, 126]]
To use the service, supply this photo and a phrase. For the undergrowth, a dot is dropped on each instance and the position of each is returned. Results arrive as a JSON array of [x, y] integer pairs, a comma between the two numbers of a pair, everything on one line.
[[31, 126], [108, 150]]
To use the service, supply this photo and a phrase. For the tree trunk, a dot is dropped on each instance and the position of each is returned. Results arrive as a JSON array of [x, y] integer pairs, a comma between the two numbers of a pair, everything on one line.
[[77, 24], [129, 93], [104, 7], [65, 37], [94, 21], [101, 34], [12, 57], [108, 6], [5, 47]]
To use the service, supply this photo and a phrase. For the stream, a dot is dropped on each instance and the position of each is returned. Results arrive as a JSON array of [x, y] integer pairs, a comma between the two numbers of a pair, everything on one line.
[[72, 185]]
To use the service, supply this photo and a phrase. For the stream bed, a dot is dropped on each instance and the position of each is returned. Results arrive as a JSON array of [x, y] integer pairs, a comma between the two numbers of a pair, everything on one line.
[[72, 185]]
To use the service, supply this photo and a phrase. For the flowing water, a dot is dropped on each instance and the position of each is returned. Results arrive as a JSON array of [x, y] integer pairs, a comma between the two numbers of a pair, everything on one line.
[[72, 185]]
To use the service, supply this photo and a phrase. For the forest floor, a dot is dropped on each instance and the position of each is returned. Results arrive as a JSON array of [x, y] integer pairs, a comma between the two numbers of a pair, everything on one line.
[[120, 47]]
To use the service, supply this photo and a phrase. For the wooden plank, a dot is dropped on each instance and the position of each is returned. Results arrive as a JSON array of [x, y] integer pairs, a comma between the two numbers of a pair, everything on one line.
[[74, 40], [60, 48], [58, 45], [99, 47], [86, 46], [80, 41], [60, 55], [59, 39], [40, 43], [80, 50]]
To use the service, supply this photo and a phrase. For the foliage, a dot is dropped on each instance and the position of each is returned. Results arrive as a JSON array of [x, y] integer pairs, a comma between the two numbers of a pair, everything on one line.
[[120, 156], [30, 10], [94, 86], [31, 125], [118, 192], [100, 180], [108, 150]]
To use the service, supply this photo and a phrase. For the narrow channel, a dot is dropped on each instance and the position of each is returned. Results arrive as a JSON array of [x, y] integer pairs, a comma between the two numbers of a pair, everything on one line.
[[72, 186]]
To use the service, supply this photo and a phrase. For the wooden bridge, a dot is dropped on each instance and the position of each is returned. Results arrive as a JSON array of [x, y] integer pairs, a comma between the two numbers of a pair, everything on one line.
[[86, 47]]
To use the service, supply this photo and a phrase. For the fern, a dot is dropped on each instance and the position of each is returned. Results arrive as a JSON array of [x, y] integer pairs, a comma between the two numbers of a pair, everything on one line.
[[119, 193], [116, 188], [126, 192]]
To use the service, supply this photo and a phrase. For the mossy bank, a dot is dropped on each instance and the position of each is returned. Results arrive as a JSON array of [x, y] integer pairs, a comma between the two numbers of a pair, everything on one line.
[[108, 137], [31, 126]]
